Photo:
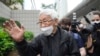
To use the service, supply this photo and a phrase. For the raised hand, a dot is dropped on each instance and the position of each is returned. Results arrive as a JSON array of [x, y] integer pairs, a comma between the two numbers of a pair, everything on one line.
[[14, 31]]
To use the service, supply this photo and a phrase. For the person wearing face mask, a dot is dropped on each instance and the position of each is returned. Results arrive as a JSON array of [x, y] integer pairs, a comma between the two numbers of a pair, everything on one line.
[[53, 41], [65, 24], [96, 33]]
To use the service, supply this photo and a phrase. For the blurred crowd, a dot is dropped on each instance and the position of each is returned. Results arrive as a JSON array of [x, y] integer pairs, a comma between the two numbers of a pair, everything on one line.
[[87, 36]]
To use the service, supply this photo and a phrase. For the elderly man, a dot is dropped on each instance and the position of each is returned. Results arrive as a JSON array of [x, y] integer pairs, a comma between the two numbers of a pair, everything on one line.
[[52, 42]]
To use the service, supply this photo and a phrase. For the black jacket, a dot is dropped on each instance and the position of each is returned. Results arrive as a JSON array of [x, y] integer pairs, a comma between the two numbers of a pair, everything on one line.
[[59, 44], [96, 43]]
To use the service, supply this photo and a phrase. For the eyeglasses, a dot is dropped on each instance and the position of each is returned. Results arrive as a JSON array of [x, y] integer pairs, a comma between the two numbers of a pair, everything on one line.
[[44, 21]]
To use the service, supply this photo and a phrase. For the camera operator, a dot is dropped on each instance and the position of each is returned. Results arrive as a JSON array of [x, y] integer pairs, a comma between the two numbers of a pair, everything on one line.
[[70, 26], [86, 34], [96, 32]]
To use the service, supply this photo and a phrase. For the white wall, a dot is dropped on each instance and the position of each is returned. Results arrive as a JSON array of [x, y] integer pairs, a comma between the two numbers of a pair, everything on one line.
[[28, 18], [4, 11]]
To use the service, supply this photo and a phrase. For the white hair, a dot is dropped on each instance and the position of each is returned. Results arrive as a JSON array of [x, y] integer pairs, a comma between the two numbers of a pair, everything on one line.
[[49, 12]]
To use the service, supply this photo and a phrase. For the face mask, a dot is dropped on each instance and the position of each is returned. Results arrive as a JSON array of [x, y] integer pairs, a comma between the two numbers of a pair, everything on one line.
[[47, 30], [95, 22], [96, 25]]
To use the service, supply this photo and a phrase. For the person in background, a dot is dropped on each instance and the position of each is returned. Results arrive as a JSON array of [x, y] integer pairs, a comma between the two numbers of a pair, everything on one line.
[[86, 34], [66, 23], [53, 41], [95, 21]]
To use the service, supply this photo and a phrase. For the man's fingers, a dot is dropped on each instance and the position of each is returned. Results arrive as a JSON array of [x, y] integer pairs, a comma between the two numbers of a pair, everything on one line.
[[12, 22], [5, 29], [22, 27], [7, 25]]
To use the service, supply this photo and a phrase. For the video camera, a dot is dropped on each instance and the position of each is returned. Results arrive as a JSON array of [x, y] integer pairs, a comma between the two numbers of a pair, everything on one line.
[[74, 23]]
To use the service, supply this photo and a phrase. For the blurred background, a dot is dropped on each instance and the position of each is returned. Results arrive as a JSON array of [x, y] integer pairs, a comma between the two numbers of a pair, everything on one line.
[[26, 13]]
